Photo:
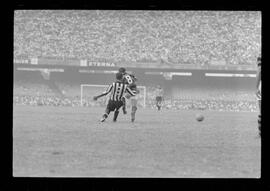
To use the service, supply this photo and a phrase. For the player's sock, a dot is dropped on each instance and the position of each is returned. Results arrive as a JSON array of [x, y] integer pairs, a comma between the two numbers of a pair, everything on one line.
[[104, 117], [124, 110], [133, 112], [124, 105], [115, 115]]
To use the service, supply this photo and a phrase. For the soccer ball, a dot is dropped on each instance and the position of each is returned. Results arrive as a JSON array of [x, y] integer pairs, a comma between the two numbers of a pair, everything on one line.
[[199, 117]]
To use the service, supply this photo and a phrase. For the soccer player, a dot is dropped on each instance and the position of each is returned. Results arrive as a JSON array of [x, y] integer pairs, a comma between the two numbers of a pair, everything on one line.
[[133, 101], [116, 90], [159, 97], [259, 92], [130, 79]]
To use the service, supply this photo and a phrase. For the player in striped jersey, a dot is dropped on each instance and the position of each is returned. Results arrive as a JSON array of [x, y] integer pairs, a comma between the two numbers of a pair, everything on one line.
[[130, 79], [116, 90], [259, 92]]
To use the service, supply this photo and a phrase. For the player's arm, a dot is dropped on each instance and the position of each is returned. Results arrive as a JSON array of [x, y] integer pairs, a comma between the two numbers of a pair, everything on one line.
[[133, 77], [134, 88], [109, 89], [131, 92]]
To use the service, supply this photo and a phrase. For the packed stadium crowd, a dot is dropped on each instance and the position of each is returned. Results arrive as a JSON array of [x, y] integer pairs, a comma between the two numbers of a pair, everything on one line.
[[40, 95], [213, 105], [188, 37], [179, 104]]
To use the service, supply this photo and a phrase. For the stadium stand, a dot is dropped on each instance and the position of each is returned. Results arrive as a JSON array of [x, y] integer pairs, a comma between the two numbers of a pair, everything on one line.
[[190, 37]]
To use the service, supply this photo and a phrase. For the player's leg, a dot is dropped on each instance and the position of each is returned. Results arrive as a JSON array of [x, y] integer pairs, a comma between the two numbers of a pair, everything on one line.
[[133, 108], [107, 111], [159, 105], [259, 117], [157, 102], [116, 112], [259, 98], [160, 102], [105, 115], [118, 105], [258, 95], [124, 105]]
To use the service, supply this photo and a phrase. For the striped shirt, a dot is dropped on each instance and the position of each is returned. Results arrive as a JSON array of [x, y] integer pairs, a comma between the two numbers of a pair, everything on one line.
[[117, 90]]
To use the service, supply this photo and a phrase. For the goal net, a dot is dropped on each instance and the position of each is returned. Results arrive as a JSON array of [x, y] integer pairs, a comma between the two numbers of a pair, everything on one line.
[[88, 91]]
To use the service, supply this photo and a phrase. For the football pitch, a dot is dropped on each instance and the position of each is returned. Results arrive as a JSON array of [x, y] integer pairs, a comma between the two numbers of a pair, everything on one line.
[[71, 142]]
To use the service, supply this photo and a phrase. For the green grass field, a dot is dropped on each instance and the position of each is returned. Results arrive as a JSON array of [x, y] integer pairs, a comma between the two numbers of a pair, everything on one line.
[[71, 142]]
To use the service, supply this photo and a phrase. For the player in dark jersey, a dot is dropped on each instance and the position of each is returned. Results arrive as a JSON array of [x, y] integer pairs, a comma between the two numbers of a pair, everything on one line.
[[130, 79], [116, 90], [159, 97], [259, 92]]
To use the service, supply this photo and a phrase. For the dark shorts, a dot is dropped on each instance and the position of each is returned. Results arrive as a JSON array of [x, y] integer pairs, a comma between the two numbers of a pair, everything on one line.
[[158, 98], [114, 105]]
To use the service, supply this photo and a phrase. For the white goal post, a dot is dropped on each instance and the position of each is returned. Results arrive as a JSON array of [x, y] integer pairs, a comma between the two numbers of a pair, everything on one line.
[[105, 86]]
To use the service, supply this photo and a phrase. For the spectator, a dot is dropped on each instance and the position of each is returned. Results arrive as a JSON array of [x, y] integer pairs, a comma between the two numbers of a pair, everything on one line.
[[192, 37], [222, 100]]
